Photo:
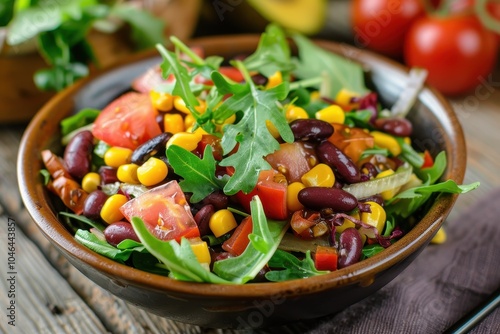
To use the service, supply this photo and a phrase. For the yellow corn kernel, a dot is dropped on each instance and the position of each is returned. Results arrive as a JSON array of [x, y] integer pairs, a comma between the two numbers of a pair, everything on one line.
[[315, 95], [200, 130], [200, 250], [116, 156], [274, 80], [221, 222], [439, 237], [388, 194], [189, 121], [110, 211], [376, 218], [187, 140], [91, 181], [161, 101], [292, 200], [320, 175], [347, 223], [128, 173], [331, 114], [345, 96], [407, 140], [173, 123], [384, 140], [152, 172], [180, 105], [272, 129], [294, 113]]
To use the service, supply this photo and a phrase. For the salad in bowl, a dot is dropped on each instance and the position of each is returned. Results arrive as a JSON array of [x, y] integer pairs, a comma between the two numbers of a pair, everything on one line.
[[271, 166]]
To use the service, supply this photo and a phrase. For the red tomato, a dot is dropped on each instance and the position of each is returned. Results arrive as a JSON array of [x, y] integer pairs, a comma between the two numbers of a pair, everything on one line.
[[456, 50], [128, 121], [165, 212], [326, 258], [239, 241], [151, 79], [381, 25], [352, 141], [292, 160], [271, 193], [213, 142], [302, 222]]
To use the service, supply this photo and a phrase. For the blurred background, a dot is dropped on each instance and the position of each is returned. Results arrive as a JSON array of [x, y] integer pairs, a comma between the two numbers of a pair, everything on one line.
[[46, 45]]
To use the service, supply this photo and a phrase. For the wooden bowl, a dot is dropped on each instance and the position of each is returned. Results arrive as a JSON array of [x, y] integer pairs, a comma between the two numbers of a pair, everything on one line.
[[251, 305]]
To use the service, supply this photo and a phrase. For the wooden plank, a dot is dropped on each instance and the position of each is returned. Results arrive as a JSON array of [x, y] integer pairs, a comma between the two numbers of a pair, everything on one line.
[[40, 300]]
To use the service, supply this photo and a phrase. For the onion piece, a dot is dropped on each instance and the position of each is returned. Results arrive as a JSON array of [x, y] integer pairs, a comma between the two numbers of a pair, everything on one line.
[[376, 186], [292, 243]]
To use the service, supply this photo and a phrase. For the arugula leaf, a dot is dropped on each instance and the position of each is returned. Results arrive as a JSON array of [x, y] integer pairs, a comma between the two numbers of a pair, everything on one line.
[[99, 246], [251, 134], [198, 174], [375, 150], [82, 118], [148, 263], [409, 154], [341, 73], [147, 30], [433, 173], [171, 64], [408, 201], [272, 53], [6, 12], [262, 246], [359, 118], [370, 250], [179, 259], [293, 267], [84, 220]]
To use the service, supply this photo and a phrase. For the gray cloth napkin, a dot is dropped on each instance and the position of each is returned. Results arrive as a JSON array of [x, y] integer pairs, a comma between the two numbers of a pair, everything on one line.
[[443, 284]]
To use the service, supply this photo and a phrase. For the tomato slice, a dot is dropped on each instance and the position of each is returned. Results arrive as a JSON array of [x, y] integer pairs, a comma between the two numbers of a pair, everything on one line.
[[151, 79], [428, 160], [271, 193], [165, 212], [128, 121], [213, 142]]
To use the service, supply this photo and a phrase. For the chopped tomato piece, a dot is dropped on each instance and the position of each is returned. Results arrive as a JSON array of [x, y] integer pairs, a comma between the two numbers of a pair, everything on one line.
[[428, 160], [271, 193], [128, 121], [352, 141], [239, 241], [302, 224], [151, 79], [165, 211], [214, 143], [292, 160], [326, 258]]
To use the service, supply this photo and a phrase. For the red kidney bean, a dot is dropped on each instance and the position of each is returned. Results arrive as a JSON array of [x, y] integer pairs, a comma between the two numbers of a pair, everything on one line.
[[318, 198], [350, 246], [370, 169], [78, 154], [331, 155], [259, 79], [108, 174], [93, 204], [395, 126], [218, 199], [374, 198], [202, 218], [119, 231], [150, 148], [311, 129]]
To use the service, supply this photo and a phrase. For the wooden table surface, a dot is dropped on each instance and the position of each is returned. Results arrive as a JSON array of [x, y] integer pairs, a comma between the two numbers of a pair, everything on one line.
[[53, 297]]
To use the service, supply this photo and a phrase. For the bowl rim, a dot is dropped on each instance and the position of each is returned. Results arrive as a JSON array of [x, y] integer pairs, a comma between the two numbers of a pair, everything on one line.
[[32, 194]]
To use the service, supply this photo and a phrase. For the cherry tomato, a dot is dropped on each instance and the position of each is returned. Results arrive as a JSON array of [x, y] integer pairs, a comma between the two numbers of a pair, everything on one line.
[[128, 121], [381, 25], [165, 212], [456, 50]]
